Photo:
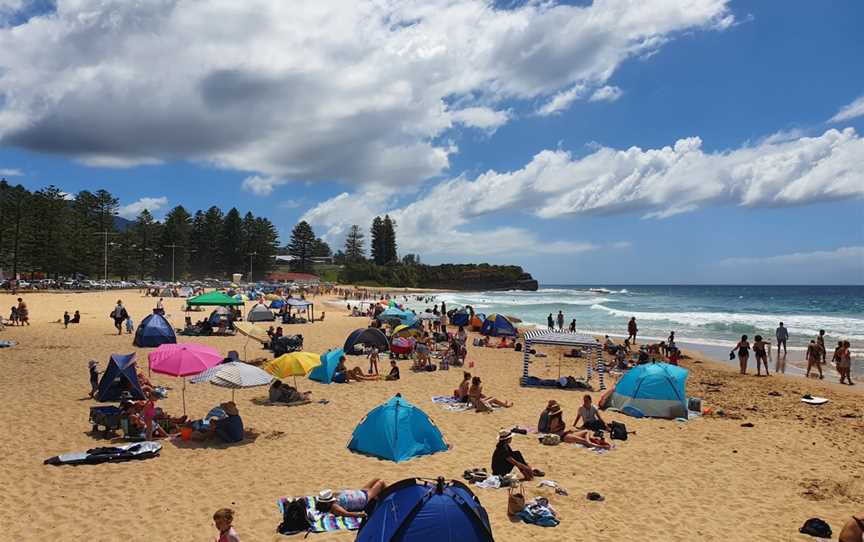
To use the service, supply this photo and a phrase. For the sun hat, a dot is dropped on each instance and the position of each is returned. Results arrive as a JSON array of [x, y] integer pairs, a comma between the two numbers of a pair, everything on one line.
[[326, 496], [554, 409], [504, 434]]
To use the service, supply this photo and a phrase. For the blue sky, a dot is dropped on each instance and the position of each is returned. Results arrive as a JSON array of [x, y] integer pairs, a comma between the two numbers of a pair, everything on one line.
[[589, 143]]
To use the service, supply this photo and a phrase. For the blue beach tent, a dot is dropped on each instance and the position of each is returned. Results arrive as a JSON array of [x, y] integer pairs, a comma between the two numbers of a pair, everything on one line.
[[498, 325], [415, 510], [655, 390], [154, 331], [397, 430], [119, 376], [460, 318], [324, 372], [395, 313]]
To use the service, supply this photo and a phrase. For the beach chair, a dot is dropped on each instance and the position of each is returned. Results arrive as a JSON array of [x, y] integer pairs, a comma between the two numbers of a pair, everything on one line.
[[105, 416]]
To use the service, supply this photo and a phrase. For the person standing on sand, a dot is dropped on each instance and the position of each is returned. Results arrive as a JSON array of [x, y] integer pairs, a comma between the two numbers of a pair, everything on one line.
[[820, 342], [813, 356], [550, 323], [119, 314], [844, 363], [560, 321], [759, 349], [743, 353], [782, 335], [23, 312], [632, 330]]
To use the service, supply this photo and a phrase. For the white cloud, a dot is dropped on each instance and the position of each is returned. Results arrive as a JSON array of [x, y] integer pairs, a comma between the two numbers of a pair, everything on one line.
[[11, 172], [262, 186], [852, 255], [850, 111], [344, 90], [561, 101], [606, 94], [132, 210], [843, 265]]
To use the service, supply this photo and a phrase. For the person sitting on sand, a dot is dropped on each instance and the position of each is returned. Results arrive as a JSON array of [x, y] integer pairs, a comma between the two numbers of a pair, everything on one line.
[[461, 393], [480, 402], [543, 422], [230, 428], [283, 393], [394, 371], [504, 458], [349, 502], [344, 375], [502, 343], [589, 415], [76, 318]]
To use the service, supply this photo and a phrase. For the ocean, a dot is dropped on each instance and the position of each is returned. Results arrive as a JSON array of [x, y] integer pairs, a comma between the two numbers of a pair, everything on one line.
[[708, 318]]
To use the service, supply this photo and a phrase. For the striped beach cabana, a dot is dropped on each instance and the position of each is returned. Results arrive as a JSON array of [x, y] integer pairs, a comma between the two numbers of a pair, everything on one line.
[[592, 348]]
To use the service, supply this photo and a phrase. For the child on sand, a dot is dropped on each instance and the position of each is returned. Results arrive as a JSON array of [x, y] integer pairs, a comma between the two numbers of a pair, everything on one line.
[[66, 319], [94, 377], [373, 361], [223, 519], [130, 325]]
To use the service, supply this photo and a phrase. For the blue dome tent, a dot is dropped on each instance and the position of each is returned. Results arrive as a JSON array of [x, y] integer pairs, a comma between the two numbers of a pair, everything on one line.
[[397, 430], [498, 325], [460, 318], [369, 336], [416, 510], [119, 376], [153, 331], [324, 372], [654, 389]]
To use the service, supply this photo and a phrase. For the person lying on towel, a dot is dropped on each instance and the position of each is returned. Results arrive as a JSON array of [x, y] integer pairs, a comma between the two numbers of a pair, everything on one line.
[[349, 503], [283, 393]]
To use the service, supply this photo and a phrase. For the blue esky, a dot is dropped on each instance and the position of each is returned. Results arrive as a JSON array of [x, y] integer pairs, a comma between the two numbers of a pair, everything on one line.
[[596, 143]]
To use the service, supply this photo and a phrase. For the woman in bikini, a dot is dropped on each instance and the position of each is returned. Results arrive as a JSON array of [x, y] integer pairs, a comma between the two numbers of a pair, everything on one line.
[[743, 353], [760, 348], [481, 402]]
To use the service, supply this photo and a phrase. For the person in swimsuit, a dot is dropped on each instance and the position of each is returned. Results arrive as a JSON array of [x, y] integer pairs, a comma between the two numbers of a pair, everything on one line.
[[743, 353], [814, 354], [760, 350], [820, 342], [461, 392], [481, 402], [844, 364], [349, 502]]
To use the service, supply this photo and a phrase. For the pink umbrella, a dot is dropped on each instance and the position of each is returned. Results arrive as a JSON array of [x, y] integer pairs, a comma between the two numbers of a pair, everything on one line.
[[183, 360]]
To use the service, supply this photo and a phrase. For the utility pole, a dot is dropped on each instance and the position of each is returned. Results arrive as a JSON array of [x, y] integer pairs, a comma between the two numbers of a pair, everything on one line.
[[105, 235], [172, 246], [251, 255]]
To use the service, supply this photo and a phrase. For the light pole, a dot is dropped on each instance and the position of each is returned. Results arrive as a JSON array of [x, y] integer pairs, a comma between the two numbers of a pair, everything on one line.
[[172, 246], [105, 235], [251, 255]]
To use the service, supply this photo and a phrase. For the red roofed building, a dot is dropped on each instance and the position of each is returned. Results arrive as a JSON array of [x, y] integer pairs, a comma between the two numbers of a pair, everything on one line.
[[293, 277]]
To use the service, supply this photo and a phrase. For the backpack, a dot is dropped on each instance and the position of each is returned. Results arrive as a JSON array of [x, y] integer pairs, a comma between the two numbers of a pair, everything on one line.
[[294, 518], [618, 431], [816, 527]]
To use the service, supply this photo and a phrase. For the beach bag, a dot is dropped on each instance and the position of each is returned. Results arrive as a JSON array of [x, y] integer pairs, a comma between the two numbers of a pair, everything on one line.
[[618, 431], [515, 500], [550, 440], [816, 527], [294, 519]]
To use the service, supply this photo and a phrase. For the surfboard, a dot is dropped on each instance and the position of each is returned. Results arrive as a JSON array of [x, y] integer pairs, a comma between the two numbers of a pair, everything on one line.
[[813, 400]]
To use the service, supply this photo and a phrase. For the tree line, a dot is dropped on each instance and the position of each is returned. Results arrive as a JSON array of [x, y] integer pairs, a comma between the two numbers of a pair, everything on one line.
[[51, 233]]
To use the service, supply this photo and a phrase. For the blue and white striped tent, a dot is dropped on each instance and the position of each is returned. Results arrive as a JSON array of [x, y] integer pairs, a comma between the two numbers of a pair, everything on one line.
[[656, 390], [557, 338]]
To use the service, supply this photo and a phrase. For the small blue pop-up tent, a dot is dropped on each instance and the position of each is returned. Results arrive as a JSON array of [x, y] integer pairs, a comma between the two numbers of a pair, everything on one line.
[[416, 510], [397, 430], [119, 376], [498, 325], [460, 318], [654, 389], [324, 372], [153, 331]]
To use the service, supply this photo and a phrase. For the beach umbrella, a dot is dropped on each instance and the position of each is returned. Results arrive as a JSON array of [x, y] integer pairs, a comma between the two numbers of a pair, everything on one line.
[[293, 364], [182, 360], [428, 316], [234, 375]]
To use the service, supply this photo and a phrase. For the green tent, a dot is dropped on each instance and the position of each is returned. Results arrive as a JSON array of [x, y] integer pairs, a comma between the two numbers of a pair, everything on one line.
[[214, 299]]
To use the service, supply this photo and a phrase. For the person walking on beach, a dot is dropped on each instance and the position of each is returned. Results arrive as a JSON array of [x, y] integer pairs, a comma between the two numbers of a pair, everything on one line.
[[813, 357], [560, 321], [782, 335], [130, 325], [119, 314], [761, 355], [550, 323], [632, 330], [820, 342], [573, 326], [743, 353]]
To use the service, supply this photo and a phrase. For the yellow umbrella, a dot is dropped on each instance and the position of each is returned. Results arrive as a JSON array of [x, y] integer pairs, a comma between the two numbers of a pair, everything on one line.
[[405, 331], [294, 364]]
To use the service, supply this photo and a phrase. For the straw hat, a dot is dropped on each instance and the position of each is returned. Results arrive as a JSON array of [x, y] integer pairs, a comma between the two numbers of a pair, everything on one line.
[[554, 409], [504, 434], [326, 496], [230, 408]]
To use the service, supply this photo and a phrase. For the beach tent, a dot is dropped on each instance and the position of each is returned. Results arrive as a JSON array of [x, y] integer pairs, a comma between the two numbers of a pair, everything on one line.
[[166, 292], [416, 510], [213, 299], [498, 325], [154, 331], [369, 336], [277, 303], [477, 321], [185, 291], [329, 361], [260, 313], [397, 430], [119, 376], [394, 314], [460, 318], [654, 389]]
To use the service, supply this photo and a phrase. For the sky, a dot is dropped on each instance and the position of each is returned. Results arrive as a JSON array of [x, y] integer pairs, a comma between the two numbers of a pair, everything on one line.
[[606, 142]]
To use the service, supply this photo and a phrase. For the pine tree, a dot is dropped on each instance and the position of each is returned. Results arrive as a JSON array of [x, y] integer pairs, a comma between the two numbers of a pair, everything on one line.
[[176, 238], [145, 233], [230, 243], [302, 243], [48, 237], [388, 229], [354, 245], [264, 243], [377, 235], [321, 249]]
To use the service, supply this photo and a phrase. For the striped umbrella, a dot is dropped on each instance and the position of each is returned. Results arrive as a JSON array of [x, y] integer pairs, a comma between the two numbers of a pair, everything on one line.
[[234, 375]]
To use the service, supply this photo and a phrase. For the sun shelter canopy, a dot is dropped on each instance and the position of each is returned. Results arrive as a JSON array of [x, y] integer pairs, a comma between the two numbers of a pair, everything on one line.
[[154, 330], [416, 510], [293, 302], [655, 390], [555, 338], [397, 430], [329, 361], [369, 336], [397, 314], [213, 299], [119, 376]]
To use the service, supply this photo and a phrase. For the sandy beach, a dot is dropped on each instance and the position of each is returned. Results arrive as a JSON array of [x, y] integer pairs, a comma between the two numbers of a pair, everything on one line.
[[707, 479]]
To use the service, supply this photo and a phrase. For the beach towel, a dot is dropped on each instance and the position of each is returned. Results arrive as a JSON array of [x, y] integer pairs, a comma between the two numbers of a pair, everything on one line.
[[320, 522], [539, 512]]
